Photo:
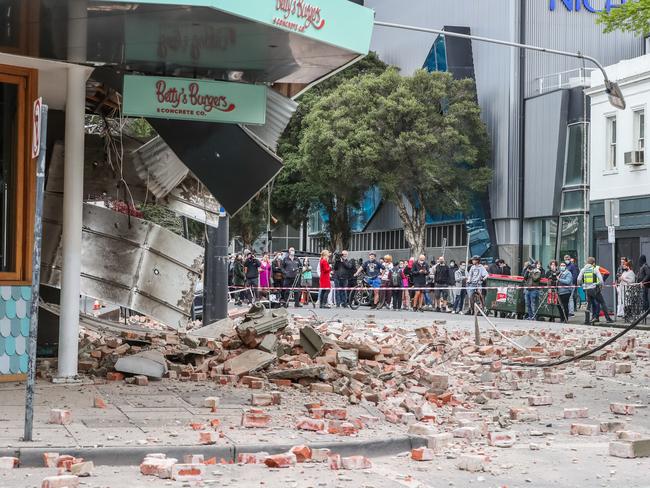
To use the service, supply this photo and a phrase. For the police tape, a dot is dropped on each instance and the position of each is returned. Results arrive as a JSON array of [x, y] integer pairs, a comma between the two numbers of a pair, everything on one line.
[[556, 288]]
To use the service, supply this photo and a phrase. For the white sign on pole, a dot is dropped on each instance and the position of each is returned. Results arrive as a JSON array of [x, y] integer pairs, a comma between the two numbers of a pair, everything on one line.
[[611, 234], [612, 213], [36, 127]]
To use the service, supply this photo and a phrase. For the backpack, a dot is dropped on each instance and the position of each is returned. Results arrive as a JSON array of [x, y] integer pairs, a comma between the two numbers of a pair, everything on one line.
[[397, 279]]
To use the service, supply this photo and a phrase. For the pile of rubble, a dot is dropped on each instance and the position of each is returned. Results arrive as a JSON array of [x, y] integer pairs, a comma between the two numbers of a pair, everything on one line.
[[437, 384]]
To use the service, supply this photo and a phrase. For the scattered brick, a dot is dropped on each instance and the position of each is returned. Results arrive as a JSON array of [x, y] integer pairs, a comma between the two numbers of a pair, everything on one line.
[[422, 454], [630, 449], [471, 462], [82, 469], [536, 401], [141, 380], [302, 453], [7, 462], [576, 413], [61, 481], [355, 462], [60, 416], [281, 460], [188, 472], [114, 376], [622, 409], [584, 429], [314, 425], [255, 419]]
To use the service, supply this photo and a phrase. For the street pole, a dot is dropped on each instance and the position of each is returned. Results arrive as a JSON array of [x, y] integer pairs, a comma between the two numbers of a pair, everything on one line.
[[530, 47], [36, 280], [215, 276]]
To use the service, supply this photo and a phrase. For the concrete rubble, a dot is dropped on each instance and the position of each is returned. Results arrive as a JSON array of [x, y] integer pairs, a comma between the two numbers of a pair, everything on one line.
[[462, 399]]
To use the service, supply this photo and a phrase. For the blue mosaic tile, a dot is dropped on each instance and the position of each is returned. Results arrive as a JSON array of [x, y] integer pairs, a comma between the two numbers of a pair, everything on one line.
[[23, 363], [5, 328], [5, 292], [21, 345], [2, 345], [24, 327], [10, 309], [26, 292], [21, 308], [4, 364], [2, 308], [15, 327], [14, 364], [10, 346], [16, 293]]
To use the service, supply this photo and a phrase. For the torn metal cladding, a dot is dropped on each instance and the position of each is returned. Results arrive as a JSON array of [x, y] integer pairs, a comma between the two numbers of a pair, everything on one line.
[[127, 261]]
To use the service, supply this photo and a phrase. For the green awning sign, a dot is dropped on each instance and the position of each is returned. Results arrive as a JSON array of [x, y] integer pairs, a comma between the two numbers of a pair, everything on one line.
[[340, 23], [191, 99]]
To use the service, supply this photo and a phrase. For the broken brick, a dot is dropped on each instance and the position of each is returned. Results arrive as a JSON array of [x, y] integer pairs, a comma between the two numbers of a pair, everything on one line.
[[422, 454], [302, 453], [281, 460]]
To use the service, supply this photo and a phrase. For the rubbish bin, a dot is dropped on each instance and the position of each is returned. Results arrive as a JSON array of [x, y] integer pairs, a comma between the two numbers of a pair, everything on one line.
[[549, 302], [505, 295]]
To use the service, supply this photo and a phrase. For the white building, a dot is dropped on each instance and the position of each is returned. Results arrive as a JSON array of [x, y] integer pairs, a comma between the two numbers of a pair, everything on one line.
[[619, 163]]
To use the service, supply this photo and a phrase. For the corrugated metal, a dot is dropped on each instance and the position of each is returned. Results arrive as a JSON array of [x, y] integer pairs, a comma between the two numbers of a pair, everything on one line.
[[279, 110], [496, 72], [159, 167], [571, 31], [386, 218], [546, 125]]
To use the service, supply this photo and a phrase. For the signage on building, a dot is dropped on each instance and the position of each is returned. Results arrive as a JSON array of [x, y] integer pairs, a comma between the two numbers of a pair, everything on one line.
[[191, 99], [593, 6], [298, 15], [341, 23]]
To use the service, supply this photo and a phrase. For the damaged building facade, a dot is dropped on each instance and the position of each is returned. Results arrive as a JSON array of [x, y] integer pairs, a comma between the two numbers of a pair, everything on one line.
[[212, 77]]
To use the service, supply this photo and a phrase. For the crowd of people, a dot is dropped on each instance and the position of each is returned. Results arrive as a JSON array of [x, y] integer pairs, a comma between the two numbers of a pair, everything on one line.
[[422, 285]]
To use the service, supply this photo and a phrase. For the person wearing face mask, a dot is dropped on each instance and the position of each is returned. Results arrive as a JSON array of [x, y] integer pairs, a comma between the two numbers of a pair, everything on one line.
[[573, 269], [460, 280], [565, 289], [372, 268], [553, 296]]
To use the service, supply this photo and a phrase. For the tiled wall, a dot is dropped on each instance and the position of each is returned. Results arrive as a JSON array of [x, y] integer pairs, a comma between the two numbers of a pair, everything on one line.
[[14, 328]]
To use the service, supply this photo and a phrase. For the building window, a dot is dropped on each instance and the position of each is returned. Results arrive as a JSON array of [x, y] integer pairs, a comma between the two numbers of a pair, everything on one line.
[[573, 200], [17, 172], [611, 143], [575, 155], [639, 130]]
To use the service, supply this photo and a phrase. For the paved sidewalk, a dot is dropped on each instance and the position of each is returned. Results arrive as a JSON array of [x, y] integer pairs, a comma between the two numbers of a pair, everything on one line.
[[157, 417]]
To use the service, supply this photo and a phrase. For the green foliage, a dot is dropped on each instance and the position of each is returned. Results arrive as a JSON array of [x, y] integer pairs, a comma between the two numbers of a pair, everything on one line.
[[296, 189], [163, 217], [419, 138], [633, 16], [250, 222]]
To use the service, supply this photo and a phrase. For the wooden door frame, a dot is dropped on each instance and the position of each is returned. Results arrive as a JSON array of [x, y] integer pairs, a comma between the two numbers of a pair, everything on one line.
[[25, 175]]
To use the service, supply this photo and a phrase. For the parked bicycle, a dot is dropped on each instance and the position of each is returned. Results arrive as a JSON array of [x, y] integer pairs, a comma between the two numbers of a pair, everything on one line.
[[361, 294]]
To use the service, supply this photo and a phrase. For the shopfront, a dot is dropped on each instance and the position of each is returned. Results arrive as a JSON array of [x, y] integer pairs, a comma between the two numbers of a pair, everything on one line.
[[222, 50]]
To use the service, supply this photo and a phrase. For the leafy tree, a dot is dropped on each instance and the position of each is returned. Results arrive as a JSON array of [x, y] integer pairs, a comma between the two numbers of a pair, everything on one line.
[[633, 16], [250, 222], [420, 139], [299, 187]]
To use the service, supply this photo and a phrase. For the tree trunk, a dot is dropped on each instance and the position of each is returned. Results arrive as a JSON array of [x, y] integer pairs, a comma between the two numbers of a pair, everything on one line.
[[338, 226], [415, 225]]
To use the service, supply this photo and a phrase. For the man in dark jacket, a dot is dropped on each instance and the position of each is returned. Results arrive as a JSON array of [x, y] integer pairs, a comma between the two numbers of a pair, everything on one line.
[[572, 267], [343, 271], [252, 270], [494, 268], [291, 267], [441, 281]]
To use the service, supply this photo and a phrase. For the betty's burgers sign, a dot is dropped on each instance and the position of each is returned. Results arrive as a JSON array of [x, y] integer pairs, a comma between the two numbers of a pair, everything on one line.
[[192, 99]]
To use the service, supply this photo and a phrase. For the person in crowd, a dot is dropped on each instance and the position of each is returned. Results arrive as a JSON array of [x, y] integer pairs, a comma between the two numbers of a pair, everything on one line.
[[252, 270], [475, 280], [398, 285], [643, 277], [625, 279], [620, 269], [504, 269], [460, 281], [407, 295], [239, 278], [324, 271], [565, 290], [591, 280], [306, 281], [419, 273], [573, 269], [494, 268], [265, 274], [595, 305], [452, 282], [386, 277], [372, 268], [553, 298], [343, 270], [291, 267], [533, 275], [441, 283], [276, 270]]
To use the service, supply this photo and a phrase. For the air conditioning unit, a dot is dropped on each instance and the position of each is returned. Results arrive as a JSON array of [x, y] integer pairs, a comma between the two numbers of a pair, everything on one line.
[[635, 158]]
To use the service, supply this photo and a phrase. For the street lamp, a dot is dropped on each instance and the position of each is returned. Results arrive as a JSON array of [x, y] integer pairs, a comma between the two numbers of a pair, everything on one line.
[[613, 90]]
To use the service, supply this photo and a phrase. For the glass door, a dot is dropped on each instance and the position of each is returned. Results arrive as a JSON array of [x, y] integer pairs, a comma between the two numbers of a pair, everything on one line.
[[8, 167]]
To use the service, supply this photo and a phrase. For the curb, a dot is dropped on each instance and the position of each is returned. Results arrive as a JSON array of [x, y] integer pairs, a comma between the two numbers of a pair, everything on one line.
[[32, 457]]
